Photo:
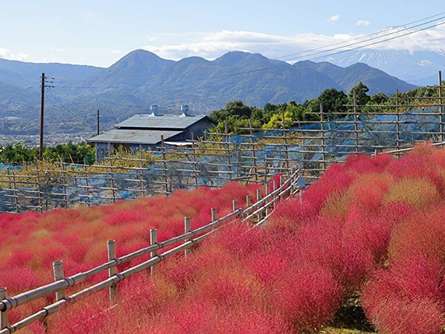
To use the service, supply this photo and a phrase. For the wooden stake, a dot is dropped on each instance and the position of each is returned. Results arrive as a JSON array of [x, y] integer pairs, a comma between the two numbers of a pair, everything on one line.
[[247, 201], [213, 214], [153, 241], [234, 205], [59, 274], [187, 228], [3, 315], [111, 249]]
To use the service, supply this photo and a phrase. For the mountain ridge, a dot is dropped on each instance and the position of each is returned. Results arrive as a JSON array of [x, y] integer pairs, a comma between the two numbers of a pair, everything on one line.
[[142, 78]]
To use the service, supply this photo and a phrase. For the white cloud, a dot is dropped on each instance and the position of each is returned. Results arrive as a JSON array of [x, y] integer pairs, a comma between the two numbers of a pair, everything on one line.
[[425, 63], [362, 23], [8, 54], [212, 45], [334, 18]]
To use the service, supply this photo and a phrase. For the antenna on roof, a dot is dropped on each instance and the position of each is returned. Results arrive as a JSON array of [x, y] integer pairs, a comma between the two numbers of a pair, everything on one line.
[[154, 108], [185, 110]]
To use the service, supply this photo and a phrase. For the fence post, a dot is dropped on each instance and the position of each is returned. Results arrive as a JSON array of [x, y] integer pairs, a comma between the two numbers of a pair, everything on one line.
[[111, 249], [187, 229], [247, 201], [234, 205], [153, 241], [59, 274], [213, 216], [4, 314]]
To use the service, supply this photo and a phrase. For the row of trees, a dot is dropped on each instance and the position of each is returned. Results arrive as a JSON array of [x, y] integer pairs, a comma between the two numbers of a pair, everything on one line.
[[71, 153], [236, 115]]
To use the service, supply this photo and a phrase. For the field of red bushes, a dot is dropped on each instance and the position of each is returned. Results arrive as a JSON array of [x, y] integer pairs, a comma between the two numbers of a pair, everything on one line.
[[371, 230]]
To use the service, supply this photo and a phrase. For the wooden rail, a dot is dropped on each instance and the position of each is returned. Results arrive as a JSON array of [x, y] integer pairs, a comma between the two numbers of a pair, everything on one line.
[[256, 213]]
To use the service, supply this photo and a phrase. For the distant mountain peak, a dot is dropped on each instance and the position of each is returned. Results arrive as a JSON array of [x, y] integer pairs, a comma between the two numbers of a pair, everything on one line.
[[139, 57], [233, 57], [142, 53]]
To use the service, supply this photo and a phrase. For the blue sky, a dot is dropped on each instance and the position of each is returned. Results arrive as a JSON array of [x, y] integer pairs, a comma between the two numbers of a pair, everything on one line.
[[100, 32]]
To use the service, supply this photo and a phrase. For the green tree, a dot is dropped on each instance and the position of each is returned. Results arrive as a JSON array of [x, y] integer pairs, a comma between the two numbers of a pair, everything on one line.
[[333, 101], [360, 92]]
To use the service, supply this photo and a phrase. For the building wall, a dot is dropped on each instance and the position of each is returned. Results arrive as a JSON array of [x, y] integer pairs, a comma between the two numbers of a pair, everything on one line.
[[195, 131]]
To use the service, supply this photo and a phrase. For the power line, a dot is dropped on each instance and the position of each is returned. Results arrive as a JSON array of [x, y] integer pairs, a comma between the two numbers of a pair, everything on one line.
[[360, 38], [382, 41], [321, 54], [370, 39]]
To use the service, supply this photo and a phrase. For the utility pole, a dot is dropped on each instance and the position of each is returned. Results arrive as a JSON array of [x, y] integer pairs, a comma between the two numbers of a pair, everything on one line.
[[42, 114], [98, 122], [43, 84]]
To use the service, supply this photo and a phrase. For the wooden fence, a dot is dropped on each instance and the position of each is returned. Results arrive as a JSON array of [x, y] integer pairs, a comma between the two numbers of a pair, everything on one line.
[[255, 214]]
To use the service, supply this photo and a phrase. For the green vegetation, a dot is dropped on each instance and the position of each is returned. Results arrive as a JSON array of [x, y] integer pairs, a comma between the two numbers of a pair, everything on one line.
[[235, 117], [71, 153]]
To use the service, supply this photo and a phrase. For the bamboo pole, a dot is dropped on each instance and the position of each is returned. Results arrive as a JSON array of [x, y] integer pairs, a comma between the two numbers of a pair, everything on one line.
[[228, 152], [323, 138], [65, 183], [286, 144], [253, 145], [195, 162], [442, 119], [164, 164], [356, 119], [397, 123], [258, 198]]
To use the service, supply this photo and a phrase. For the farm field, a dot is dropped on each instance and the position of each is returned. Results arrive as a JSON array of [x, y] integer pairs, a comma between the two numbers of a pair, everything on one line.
[[369, 231]]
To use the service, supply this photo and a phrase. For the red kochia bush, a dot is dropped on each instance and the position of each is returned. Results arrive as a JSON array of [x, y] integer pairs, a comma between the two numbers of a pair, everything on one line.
[[369, 225], [307, 297], [396, 316]]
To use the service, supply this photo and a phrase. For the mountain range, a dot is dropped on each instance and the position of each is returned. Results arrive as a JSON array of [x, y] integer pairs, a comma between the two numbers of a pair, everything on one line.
[[417, 67], [141, 78]]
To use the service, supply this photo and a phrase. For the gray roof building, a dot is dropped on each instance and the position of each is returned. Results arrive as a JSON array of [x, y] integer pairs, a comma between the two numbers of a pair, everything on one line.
[[164, 122], [146, 130], [133, 136]]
